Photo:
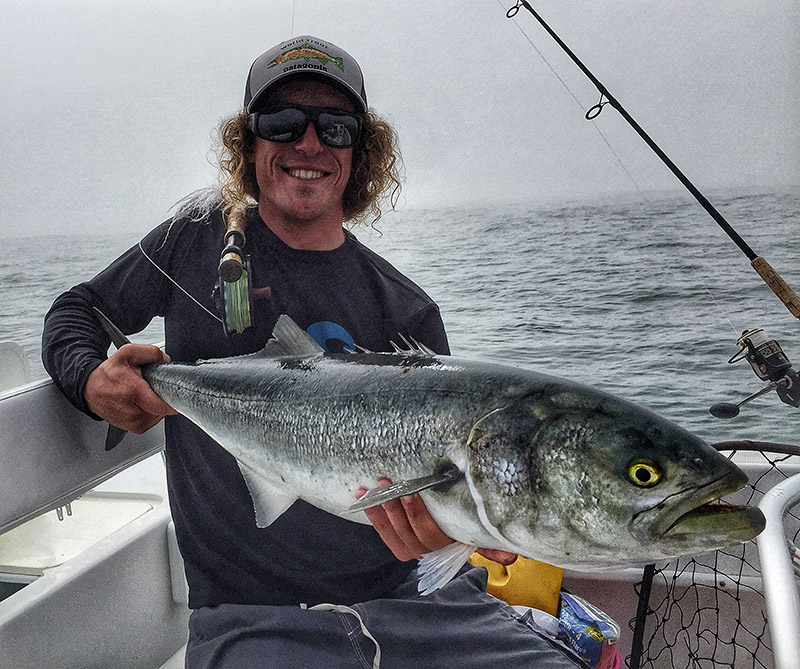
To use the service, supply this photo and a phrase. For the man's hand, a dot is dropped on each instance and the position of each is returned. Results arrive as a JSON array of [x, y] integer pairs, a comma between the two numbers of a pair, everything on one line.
[[408, 529], [116, 391]]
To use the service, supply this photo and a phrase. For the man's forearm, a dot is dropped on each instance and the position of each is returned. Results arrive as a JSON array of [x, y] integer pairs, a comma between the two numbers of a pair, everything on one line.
[[73, 344]]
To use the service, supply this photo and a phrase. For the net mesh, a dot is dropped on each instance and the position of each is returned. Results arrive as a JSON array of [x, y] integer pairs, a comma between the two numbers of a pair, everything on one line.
[[708, 611]]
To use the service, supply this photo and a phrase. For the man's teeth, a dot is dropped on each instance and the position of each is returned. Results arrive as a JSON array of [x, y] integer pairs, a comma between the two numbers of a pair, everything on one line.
[[306, 174]]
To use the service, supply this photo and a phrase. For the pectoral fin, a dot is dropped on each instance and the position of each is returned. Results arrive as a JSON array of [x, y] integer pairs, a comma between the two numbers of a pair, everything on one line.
[[438, 568], [268, 503], [386, 493]]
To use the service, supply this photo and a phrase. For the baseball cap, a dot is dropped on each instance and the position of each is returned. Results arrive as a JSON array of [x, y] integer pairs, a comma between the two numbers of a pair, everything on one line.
[[304, 56]]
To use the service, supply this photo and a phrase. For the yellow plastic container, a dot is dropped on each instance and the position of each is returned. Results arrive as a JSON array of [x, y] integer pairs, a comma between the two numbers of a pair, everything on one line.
[[526, 582]]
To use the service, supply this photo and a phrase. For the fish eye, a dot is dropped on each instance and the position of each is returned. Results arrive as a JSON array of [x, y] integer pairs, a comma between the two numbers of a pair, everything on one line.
[[644, 473]]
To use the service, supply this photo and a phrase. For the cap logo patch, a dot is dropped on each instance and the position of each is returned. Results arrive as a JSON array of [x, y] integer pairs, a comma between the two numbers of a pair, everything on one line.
[[307, 53]]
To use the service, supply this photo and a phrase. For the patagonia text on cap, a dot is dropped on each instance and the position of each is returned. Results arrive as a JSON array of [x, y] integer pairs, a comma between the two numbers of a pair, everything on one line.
[[303, 56]]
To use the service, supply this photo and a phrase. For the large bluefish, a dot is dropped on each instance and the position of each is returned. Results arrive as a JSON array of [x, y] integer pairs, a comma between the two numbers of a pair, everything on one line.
[[505, 458]]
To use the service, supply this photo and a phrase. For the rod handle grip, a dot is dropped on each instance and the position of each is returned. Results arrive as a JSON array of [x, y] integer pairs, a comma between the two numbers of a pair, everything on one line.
[[237, 222], [231, 265], [778, 285]]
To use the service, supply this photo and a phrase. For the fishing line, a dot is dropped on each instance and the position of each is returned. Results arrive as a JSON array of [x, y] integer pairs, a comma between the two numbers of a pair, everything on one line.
[[717, 305], [177, 285], [781, 289], [590, 116], [572, 95]]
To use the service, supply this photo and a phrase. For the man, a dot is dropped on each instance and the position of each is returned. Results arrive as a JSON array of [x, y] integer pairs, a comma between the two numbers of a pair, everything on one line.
[[304, 156]]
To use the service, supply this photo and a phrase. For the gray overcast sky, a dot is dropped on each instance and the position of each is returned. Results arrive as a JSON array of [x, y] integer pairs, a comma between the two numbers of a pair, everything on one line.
[[109, 107]]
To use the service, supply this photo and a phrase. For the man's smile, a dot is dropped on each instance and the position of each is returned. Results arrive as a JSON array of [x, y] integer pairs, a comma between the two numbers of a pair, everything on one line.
[[305, 174]]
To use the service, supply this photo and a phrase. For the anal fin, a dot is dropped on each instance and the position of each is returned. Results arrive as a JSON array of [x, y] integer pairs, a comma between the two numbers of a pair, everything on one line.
[[268, 503]]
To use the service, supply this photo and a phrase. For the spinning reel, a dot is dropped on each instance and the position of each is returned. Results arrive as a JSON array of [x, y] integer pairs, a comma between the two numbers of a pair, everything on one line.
[[770, 364]]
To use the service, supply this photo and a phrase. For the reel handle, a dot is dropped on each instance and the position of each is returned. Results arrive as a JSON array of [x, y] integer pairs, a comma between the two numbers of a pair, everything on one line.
[[727, 410]]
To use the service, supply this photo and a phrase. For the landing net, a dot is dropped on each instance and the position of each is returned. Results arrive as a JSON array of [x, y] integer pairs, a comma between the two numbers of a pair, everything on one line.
[[708, 611]]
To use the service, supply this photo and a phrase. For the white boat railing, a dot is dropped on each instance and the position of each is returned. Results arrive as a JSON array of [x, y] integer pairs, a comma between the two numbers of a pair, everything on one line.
[[780, 583]]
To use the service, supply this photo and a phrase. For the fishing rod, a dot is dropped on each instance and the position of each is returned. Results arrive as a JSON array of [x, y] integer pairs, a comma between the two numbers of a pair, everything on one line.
[[764, 354], [761, 266]]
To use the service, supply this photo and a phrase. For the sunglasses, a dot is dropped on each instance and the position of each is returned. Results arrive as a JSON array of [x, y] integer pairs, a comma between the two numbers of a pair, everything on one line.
[[287, 123]]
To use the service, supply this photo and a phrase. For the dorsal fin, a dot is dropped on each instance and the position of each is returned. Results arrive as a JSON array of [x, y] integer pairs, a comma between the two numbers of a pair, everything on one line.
[[290, 340], [415, 348]]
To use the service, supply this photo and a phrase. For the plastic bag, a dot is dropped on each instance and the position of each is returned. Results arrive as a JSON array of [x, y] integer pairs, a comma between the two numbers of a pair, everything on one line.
[[589, 632]]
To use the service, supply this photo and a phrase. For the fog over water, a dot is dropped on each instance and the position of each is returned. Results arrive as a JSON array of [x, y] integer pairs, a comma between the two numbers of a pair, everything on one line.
[[109, 109]]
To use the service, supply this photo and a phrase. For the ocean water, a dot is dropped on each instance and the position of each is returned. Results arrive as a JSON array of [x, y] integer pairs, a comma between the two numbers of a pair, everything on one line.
[[644, 298]]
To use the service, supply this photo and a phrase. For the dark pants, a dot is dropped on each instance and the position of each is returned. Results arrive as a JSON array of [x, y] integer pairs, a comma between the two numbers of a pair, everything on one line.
[[458, 626]]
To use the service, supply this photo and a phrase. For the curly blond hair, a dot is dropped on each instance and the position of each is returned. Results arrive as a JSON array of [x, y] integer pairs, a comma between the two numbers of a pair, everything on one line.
[[374, 178]]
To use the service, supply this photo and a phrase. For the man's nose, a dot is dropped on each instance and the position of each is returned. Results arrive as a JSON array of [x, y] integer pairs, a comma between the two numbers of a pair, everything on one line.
[[309, 142]]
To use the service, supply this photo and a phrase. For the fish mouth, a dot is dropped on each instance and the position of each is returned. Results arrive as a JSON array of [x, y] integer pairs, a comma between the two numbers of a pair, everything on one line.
[[699, 512], [741, 523]]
